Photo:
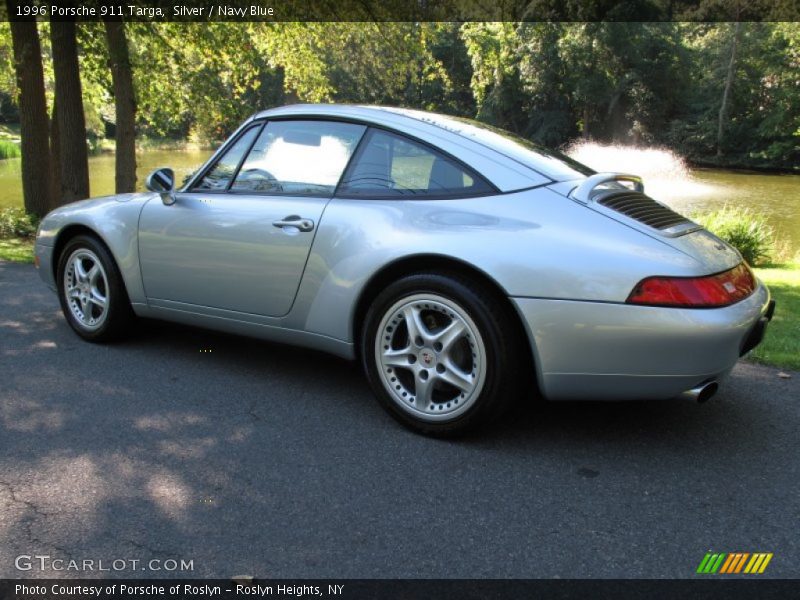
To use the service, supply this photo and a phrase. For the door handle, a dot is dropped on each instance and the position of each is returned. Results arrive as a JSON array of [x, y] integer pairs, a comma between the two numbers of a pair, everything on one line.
[[295, 221]]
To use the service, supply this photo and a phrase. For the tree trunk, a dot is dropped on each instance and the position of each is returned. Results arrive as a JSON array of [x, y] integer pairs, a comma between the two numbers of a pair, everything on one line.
[[70, 117], [586, 121], [125, 103], [723, 109], [36, 181], [55, 154]]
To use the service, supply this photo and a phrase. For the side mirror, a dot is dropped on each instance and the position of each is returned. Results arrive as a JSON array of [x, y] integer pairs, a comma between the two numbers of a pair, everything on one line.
[[162, 181]]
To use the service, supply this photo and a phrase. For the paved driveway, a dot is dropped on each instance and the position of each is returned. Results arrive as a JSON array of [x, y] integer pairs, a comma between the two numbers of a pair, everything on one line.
[[253, 458]]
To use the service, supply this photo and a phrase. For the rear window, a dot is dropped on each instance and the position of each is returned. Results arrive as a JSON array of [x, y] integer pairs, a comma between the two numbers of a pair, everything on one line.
[[391, 165], [558, 161], [548, 162]]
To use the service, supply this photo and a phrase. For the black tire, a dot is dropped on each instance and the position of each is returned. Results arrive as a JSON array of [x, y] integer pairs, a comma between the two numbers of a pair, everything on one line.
[[118, 316], [497, 329]]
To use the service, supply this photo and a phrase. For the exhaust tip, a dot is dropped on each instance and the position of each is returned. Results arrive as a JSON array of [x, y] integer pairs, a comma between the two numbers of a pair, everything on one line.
[[702, 393], [707, 391]]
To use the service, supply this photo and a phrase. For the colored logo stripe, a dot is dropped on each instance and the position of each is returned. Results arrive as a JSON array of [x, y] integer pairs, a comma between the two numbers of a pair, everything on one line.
[[758, 563], [734, 562], [710, 563]]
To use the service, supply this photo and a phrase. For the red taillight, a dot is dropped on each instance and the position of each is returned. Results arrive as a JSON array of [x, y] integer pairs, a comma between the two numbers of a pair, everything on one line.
[[721, 289]]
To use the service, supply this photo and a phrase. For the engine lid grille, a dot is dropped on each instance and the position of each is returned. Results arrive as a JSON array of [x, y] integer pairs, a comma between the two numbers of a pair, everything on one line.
[[644, 209]]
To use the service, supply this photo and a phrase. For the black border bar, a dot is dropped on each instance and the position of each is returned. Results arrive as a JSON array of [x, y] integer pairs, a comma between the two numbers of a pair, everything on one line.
[[706, 588], [402, 10]]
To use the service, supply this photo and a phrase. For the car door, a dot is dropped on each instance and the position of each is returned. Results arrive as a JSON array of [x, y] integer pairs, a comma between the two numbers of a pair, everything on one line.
[[239, 237]]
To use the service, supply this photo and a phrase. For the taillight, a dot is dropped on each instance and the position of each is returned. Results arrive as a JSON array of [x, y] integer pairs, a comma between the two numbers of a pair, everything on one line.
[[721, 289]]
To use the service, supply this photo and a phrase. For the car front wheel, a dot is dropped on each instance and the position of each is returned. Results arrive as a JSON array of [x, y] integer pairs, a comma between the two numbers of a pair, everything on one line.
[[440, 353], [91, 290]]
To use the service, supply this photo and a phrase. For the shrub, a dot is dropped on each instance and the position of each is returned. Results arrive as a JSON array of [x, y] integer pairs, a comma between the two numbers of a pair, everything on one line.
[[15, 222], [9, 149], [747, 231]]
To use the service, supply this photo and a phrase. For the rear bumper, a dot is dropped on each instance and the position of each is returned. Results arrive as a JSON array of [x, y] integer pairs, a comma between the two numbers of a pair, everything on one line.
[[756, 335], [607, 351]]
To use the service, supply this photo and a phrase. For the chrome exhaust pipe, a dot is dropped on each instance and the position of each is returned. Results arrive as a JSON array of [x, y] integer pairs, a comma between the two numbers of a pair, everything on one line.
[[702, 392]]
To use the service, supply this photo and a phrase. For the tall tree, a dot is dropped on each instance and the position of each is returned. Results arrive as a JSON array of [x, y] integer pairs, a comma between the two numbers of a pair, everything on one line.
[[125, 104], [55, 156], [726, 92], [36, 182], [70, 117]]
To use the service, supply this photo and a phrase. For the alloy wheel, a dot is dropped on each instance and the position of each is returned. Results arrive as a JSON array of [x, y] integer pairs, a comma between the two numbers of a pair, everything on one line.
[[86, 289], [430, 356]]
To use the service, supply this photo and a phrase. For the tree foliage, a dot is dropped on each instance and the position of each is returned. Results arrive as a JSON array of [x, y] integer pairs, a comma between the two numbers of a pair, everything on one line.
[[632, 82]]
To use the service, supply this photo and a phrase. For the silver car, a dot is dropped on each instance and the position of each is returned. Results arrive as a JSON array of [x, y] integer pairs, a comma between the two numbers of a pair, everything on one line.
[[460, 264]]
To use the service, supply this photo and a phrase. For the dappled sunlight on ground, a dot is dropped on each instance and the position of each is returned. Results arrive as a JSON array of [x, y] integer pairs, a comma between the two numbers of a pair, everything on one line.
[[44, 344], [197, 448], [168, 421], [26, 414], [276, 461], [169, 493]]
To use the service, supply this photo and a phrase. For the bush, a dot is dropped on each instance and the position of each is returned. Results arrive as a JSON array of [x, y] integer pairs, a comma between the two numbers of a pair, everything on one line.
[[745, 230], [15, 222], [9, 149]]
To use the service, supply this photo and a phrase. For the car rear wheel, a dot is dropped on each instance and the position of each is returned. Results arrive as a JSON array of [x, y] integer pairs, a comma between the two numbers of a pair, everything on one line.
[[440, 353], [91, 291]]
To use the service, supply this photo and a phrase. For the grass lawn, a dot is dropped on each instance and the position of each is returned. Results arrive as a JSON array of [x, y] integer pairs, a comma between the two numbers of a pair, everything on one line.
[[781, 346], [16, 249], [9, 141]]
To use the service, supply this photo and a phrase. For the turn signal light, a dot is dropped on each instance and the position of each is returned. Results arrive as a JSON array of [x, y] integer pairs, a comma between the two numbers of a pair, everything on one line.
[[711, 291]]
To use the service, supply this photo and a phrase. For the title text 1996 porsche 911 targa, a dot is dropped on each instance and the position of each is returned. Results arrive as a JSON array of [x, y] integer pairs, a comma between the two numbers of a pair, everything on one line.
[[457, 262]]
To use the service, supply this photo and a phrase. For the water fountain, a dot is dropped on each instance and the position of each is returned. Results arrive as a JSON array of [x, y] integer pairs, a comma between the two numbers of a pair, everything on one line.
[[666, 175], [669, 179]]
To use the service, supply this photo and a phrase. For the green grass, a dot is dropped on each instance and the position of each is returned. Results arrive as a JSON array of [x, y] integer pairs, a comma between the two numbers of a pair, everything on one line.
[[747, 231], [781, 346], [9, 149], [16, 249], [9, 141]]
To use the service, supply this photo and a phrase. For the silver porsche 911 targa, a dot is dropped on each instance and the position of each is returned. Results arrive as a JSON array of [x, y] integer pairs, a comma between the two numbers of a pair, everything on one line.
[[460, 264]]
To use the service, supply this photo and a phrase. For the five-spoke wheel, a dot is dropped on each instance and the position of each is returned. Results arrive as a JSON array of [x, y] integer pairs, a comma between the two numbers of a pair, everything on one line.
[[432, 356], [91, 290], [86, 288], [434, 352]]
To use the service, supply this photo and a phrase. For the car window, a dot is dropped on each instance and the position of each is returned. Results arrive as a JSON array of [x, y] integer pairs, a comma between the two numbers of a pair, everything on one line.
[[221, 174], [298, 157], [550, 163], [391, 165]]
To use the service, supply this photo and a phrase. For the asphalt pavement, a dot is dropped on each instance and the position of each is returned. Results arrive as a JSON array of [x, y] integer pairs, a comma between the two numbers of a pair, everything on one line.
[[250, 458]]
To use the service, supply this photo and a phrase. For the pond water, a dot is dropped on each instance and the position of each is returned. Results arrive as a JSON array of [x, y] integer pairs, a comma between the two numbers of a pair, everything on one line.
[[666, 178], [101, 171], [776, 196]]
